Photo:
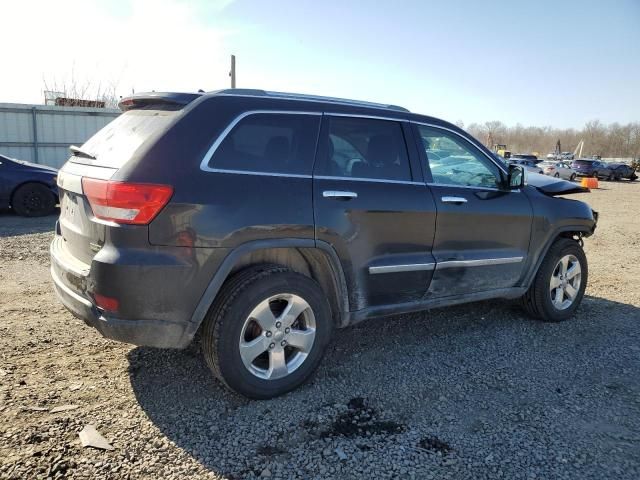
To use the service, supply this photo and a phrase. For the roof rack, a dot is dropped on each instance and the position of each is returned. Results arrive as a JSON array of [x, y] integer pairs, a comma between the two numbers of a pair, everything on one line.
[[300, 96]]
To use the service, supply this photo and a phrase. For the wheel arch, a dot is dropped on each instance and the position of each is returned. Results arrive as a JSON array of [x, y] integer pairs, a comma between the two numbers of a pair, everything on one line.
[[315, 259], [567, 231]]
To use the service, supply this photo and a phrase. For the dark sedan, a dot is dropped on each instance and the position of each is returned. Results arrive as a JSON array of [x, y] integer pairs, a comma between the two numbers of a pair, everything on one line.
[[592, 168], [27, 188], [622, 170]]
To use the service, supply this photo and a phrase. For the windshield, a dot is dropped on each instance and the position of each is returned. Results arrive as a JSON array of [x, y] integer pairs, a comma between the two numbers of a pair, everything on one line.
[[116, 143], [582, 163]]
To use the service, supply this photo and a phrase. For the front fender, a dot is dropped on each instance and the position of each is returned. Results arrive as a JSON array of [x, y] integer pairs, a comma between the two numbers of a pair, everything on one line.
[[554, 217]]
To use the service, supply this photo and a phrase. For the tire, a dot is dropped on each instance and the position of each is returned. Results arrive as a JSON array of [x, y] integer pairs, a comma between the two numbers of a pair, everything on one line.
[[538, 301], [557, 175], [572, 177], [230, 322], [33, 200], [610, 177], [594, 174]]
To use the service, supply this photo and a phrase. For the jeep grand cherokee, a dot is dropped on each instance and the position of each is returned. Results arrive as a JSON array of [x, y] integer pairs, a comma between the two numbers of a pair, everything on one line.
[[267, 220]]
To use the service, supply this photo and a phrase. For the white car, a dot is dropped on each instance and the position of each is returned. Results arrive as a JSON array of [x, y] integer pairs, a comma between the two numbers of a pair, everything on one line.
[[529, 165], [558, 170]]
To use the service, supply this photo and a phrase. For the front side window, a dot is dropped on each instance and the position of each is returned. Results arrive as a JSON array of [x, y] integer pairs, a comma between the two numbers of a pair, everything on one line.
[[270, 143], [366, 148], [453, 161]]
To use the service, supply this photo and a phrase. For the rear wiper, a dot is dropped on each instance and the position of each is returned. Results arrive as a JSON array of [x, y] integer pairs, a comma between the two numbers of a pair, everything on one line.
[[78, 152]]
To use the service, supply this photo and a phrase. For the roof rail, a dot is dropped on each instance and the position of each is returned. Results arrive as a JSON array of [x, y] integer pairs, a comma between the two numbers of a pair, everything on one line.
[[301, 96]]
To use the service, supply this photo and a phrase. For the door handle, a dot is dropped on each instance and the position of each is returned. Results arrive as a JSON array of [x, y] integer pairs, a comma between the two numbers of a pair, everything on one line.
[[454, 200], [340, 195]]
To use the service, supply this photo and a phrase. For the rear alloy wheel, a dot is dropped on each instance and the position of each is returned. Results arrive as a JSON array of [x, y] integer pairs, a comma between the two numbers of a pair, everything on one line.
[[33, 200], [573, 177], [267, 331], [558, 288], [277, 336]]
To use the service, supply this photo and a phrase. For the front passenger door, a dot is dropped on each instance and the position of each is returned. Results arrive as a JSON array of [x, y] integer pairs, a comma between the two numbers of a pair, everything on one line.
[[482, 230]]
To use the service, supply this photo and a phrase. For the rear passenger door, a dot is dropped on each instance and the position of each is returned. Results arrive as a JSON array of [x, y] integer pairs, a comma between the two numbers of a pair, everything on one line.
[[373, 209], [482, 230], [258, 178]]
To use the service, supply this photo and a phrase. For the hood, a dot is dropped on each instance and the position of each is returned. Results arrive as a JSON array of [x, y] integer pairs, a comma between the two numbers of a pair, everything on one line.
[[554, 186]]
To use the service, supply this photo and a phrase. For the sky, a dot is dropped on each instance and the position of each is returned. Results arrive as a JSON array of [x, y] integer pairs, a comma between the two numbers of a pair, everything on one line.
[[558, 63]]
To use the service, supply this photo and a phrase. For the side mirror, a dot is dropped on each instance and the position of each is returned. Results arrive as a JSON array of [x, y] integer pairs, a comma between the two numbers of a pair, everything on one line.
[[517, 177]]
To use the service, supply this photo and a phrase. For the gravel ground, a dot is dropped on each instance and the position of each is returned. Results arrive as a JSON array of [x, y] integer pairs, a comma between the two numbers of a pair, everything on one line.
[[476, 391]]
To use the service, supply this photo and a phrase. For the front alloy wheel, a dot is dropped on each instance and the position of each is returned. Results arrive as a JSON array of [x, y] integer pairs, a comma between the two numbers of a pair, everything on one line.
[[565, 282], [559, 284]]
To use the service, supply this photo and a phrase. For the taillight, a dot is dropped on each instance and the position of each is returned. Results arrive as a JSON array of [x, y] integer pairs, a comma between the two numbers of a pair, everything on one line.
[[123, 202]]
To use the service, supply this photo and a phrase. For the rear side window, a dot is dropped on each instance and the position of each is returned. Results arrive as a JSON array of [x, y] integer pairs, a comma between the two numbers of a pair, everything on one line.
[[116, 143], [366, 148], [270, 143]]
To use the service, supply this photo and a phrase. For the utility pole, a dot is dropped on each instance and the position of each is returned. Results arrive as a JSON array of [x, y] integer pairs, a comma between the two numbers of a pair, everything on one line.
[[232, 73]]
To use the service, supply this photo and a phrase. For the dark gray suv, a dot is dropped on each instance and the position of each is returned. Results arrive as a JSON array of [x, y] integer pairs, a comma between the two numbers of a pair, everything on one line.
[[266, 220]]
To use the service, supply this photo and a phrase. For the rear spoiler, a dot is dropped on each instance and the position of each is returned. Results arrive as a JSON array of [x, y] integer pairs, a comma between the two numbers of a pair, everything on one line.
[[157, 100]]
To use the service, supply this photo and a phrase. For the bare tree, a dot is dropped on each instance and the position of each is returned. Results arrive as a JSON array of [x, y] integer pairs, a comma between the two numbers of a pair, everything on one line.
[[614, 140], [84, 89]]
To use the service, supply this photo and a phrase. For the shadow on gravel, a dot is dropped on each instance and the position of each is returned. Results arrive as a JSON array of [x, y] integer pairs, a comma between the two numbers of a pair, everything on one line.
[[430, 382], [12, 225]]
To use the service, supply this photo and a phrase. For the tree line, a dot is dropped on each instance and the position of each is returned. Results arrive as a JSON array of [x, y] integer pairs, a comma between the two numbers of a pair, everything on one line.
[[613, 140]]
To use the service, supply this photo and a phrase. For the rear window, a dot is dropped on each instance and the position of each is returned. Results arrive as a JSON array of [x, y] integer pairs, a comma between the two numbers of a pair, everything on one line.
[[366, 148], [270, 143], [116, 143]]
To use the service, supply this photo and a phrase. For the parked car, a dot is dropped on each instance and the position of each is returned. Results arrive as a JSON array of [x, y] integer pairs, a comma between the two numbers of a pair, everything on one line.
[[525, 156], [265, 220], [29, 189], [566, 156], [622, 170], [552, 156], [558, 170], [587, 167], [530, 166]]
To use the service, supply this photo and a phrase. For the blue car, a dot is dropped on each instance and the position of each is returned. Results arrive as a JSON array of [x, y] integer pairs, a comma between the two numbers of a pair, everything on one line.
[[593, 168], [27, 188]]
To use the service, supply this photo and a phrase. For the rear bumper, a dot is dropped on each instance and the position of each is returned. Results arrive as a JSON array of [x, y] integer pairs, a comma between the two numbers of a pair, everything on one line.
[[152, 333], [70, 284]]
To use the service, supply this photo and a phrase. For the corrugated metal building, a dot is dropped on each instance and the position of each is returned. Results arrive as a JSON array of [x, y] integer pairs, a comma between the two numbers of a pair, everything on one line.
[[42, 133]]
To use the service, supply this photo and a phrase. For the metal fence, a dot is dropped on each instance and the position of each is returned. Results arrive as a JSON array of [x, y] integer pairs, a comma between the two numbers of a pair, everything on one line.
[[42, 133]]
